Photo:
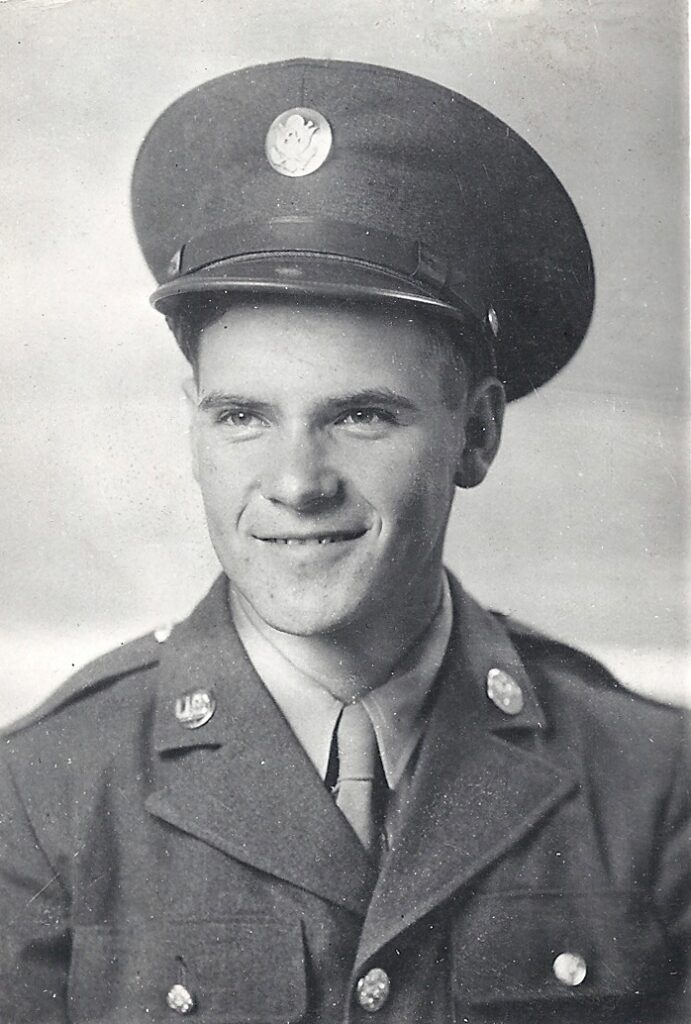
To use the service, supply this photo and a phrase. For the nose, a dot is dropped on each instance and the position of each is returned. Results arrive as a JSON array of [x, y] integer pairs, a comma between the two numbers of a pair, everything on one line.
[[299, 475]]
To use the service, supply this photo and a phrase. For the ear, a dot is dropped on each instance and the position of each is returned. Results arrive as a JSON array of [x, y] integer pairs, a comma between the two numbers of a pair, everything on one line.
[[484, 415], [191, 393]]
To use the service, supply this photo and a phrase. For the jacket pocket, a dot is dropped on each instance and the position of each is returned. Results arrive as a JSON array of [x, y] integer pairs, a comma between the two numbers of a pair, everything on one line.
[[234, 972], [542, 946]]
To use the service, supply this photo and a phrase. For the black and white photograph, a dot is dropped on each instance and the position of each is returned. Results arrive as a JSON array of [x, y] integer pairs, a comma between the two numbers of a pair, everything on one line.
[[345, 660]]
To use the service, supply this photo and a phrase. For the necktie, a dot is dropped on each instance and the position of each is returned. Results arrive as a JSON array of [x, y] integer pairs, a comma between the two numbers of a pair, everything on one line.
[[357, 792]]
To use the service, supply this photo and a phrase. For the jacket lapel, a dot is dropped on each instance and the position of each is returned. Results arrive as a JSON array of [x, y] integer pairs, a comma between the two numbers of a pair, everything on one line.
[[474, 792], [244, 784]]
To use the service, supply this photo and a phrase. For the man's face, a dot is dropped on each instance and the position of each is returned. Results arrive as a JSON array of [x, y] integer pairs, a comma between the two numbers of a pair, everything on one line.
[[326, 459]]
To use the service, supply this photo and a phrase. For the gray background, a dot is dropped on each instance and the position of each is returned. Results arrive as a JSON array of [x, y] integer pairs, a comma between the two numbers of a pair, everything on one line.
[[581, 528]]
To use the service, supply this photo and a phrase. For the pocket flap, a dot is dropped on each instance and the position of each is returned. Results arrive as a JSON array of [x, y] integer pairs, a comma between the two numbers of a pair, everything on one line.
[[505, 947], [235, 971]]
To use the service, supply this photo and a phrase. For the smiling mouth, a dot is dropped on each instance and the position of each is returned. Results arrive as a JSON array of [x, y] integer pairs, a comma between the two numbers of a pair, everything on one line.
[[314, 540]]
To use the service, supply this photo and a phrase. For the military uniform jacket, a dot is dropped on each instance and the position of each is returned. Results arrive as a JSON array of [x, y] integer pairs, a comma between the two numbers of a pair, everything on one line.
[[137, 854]]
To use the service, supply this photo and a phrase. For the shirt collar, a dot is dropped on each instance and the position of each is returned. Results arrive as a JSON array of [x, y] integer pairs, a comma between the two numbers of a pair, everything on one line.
[[310, 710], [397, 708]]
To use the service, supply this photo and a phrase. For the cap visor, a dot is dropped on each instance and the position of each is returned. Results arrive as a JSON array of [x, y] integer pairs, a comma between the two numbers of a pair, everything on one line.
[[299, 274]]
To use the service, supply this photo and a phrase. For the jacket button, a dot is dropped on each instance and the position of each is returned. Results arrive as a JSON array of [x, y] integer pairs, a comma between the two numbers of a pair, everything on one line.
[[180, 999], [570, 969], [373, 990]]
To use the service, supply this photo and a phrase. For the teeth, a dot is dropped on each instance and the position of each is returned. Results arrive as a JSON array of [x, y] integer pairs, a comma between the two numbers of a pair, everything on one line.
[[288, 541]]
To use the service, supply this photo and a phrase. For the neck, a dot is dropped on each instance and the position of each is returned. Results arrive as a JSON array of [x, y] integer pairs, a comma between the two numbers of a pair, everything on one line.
[[352, 661]]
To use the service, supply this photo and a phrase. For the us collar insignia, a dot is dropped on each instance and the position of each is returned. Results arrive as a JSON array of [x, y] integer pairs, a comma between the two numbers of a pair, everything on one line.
[[195, 708], [298, 142]]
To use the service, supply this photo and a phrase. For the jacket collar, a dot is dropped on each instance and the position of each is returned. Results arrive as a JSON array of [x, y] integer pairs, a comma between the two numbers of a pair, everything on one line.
[[245, 785], [250, 790], [204, 653], [480, 643], [476, 790]]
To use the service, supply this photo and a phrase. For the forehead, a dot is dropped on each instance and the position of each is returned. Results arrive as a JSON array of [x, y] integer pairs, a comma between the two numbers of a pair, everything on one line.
[[319, 342]]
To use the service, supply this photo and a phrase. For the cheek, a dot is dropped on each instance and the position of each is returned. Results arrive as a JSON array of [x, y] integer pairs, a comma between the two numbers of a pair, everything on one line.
[[224, 481], [414, 488]]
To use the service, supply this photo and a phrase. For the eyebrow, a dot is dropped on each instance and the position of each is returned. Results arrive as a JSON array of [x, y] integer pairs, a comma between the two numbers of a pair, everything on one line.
[[371, 397], [222, 399]]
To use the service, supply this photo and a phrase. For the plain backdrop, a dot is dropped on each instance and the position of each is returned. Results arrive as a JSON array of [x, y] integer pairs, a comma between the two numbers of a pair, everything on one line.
[[582, 527]]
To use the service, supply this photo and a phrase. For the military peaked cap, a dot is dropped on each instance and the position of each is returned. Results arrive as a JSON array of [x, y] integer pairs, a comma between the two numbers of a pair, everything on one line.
[[332, 178]]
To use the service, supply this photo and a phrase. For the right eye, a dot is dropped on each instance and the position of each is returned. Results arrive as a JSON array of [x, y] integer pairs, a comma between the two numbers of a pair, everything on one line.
[[239, 418], [236, 418]]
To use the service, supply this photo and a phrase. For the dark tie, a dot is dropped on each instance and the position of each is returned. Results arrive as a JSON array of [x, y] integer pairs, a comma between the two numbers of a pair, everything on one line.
[[359, 786]]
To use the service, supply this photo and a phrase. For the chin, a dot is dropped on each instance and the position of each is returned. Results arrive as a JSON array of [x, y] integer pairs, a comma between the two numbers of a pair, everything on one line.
[[300, 621], [304, 617]]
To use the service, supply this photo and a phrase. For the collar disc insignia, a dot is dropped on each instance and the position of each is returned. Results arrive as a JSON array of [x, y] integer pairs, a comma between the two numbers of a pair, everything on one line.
[[504, 691], [195, 708]]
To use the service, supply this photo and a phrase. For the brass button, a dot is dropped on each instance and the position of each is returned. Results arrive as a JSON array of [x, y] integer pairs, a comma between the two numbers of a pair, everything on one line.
[[504, 691], [570, 969], [180, 999], [373, 990]]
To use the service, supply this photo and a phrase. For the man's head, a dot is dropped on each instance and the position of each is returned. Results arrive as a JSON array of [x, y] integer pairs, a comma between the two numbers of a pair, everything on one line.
[[328, 439], [405, 252]]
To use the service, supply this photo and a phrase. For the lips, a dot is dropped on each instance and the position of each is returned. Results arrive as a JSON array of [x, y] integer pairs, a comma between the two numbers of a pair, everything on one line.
[[314, 539]]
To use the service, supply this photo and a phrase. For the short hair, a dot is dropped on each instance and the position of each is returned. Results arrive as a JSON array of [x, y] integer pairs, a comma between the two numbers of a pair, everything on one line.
[[461, 349]]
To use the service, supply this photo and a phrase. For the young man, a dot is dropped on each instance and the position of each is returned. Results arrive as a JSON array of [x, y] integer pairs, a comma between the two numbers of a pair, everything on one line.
[[341, 787]]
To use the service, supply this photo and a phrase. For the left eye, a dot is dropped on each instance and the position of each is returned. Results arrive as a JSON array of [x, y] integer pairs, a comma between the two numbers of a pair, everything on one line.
[[365, 418]]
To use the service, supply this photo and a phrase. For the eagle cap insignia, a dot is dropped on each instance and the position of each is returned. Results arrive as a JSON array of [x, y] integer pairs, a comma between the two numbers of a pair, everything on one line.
[[298, 142]]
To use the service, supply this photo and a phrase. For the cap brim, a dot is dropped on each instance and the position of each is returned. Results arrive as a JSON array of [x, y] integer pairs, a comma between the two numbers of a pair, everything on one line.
[[299, 273]]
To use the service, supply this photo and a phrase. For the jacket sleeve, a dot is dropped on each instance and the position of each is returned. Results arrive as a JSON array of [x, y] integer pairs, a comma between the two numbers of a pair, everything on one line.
[[34, 934], [672, 888]]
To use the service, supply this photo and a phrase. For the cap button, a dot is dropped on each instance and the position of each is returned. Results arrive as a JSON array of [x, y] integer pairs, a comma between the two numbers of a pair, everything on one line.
[[373, 990], [180, 999], [175, 265], [195, 709], [570, 969], [504, 691]]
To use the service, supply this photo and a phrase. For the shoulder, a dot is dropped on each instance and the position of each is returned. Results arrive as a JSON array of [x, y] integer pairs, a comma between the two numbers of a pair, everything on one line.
[[575, 686], [539, 649], [109, 701], [95, 685]]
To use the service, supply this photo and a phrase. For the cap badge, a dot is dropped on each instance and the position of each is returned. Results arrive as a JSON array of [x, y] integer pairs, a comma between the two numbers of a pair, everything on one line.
[[504, 691], [195, 709], [298, 142]]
